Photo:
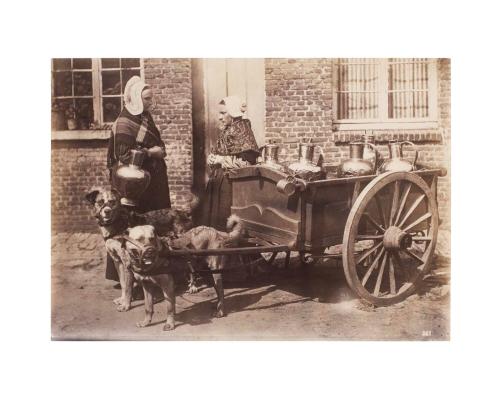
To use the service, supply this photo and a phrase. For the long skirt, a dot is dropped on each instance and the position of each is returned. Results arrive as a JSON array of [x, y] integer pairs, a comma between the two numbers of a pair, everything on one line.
[[157, 194], [217, 200]]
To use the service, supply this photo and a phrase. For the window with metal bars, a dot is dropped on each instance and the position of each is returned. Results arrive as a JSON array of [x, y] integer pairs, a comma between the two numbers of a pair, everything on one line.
[[88, 93], [385, 90]]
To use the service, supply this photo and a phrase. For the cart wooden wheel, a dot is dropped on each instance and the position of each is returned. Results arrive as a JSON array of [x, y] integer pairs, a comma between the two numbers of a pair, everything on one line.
[[390, 237]]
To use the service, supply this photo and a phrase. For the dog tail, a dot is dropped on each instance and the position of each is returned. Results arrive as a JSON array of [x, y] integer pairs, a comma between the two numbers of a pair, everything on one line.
[[232, 222], [194, 203], [234, 227]]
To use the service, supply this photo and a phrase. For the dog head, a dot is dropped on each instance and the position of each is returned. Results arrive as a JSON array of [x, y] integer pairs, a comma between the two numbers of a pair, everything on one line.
[[182, 220], [106, 204], [143, 246]]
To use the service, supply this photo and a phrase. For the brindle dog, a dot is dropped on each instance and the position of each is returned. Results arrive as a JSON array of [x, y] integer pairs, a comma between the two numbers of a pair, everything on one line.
[[113, 220], [205, 237]]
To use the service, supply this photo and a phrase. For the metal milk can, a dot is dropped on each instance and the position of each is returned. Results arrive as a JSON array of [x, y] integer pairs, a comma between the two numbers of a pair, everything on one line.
[[355, 165], [130, 179], [305, 163], [396, 162], [270, 153]]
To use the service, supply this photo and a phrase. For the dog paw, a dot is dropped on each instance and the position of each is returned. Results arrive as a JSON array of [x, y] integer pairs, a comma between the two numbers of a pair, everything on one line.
[[219, 313], [168, 326], [143, 324], [123, 307], [117, 301], [193, 289]]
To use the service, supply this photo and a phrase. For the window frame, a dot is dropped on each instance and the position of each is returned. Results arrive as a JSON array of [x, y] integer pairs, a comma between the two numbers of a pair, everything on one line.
[[384, 122], [102, 132]]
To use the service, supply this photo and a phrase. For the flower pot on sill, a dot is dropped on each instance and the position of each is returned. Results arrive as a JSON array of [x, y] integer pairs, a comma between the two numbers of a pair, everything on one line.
[[72, 125]]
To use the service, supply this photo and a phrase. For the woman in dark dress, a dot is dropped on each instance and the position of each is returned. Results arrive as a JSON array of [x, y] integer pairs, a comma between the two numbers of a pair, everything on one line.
[[135, 130], [235, 147]]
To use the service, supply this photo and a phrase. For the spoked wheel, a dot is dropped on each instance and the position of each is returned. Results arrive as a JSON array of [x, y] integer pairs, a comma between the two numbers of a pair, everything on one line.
[[390, 237]]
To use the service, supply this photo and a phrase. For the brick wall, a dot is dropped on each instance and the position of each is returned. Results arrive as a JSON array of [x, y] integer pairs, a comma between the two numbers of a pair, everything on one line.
[[171, 83], [78, 165], [299, 105]]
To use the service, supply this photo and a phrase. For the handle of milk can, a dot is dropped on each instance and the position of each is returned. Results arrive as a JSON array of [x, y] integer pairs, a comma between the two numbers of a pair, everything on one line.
[[321, 157], [260, 158], [372, 146], [416, 152]]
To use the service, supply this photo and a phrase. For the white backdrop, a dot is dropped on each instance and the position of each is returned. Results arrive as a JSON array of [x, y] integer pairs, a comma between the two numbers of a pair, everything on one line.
[[34, 32]]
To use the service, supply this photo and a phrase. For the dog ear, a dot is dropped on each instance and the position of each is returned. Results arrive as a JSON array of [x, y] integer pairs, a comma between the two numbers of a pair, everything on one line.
[[154, 230], [116, 193], [92, 194], [159, 244]]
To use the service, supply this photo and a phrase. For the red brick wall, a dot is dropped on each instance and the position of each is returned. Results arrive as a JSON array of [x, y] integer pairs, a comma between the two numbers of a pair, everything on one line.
[[78, 165], [299, 104], [171, 82]]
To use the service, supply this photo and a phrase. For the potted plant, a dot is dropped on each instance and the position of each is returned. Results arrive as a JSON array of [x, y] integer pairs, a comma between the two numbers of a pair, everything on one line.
[[71, 118]]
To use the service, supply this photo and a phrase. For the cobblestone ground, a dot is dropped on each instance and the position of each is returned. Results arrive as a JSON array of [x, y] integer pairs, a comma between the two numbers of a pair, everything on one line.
[[274, 304]]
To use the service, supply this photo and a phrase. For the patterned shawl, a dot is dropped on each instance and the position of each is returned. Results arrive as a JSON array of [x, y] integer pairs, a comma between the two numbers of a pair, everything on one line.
[[236, 138], [133, 131]]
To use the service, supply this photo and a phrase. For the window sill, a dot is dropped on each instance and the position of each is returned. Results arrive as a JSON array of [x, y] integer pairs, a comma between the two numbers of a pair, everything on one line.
[[102, 134], [414, 132], [354, 126]]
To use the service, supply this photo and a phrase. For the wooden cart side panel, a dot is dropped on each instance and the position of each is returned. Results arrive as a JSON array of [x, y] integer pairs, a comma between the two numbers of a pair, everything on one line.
[[265, 212], [311, 219], [327, 208]]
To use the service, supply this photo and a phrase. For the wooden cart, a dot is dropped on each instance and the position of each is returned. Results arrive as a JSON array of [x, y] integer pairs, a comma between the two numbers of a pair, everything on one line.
[[387, 224]]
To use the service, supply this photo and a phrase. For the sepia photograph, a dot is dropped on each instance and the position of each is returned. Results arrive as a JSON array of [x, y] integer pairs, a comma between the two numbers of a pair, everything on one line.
[[250, 199], [241, 200]]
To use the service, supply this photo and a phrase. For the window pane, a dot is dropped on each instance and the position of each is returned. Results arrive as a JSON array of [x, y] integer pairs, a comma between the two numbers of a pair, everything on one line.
[[110, 63], [111, 82], [127, 74], [59, 119], [408, 88], [61, 63], [62, 83], [82, 63], [111, 107], [131, 63], [83, 83], [358, 88], [84, 113]]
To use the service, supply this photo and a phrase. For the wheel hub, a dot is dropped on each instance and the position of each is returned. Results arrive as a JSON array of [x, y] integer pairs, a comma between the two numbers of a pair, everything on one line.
[[395, 238]]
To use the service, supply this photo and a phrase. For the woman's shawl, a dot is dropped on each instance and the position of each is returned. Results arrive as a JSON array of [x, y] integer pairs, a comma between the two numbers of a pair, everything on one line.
[[140, 132], [132, 132], [236, 138]]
